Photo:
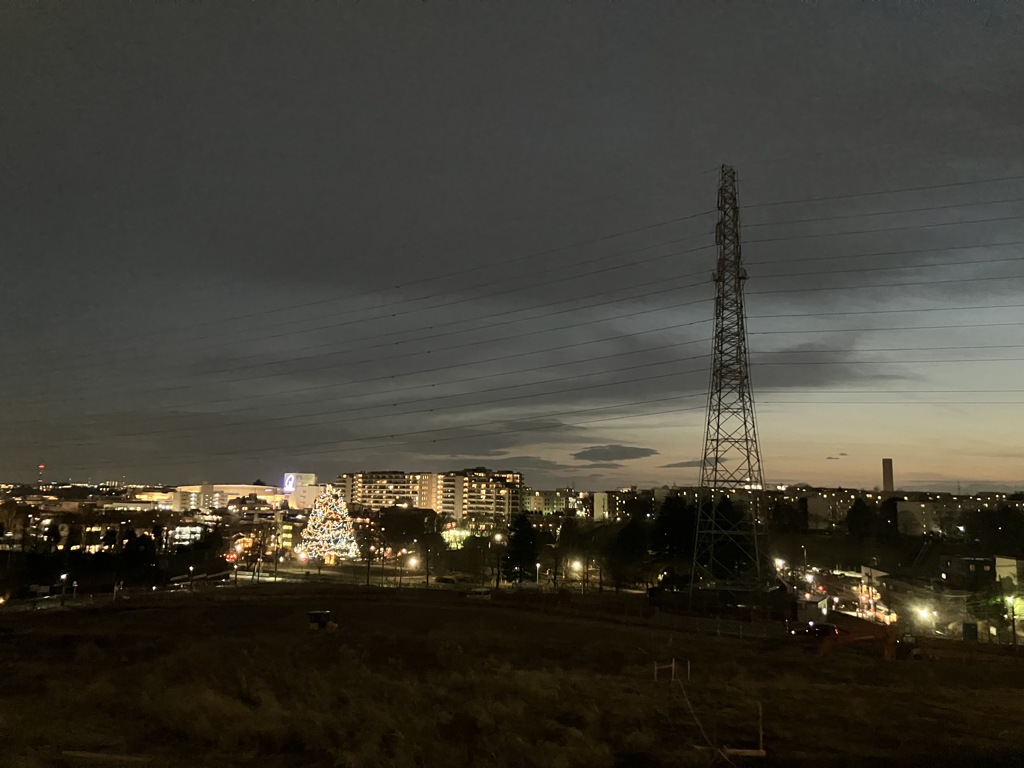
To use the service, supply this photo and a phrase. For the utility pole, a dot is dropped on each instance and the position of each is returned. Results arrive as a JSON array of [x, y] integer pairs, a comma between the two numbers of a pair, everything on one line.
[[726, 546]]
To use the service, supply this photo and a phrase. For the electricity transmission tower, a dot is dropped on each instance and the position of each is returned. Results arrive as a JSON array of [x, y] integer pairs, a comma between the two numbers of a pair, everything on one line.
[[731, 484]]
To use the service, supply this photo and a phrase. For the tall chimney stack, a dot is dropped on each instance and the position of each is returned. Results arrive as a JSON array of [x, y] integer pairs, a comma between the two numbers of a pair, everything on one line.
[[887, 484]]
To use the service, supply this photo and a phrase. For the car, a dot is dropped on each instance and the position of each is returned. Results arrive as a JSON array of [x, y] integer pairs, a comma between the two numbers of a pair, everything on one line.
[[816, 629]]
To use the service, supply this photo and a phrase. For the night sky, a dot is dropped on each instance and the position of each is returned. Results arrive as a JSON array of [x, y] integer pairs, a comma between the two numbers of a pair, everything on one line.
[[240, 239]]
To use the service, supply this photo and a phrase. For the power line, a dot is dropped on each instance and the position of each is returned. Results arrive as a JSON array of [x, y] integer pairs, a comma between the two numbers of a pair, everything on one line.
[[501, 401], [948, 185], [916, 267], [881, 349], [459, 272], [881, 229], [886, 330], [514, 290], [900, 252], [265, 312], [306, 449], [391, 355], [889, 311], [887, 285], [957, 361], [895, 212], [530, 352], [388, 377]]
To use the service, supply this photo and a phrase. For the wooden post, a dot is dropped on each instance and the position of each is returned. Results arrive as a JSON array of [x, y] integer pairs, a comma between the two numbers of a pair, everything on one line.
[[760, 727]]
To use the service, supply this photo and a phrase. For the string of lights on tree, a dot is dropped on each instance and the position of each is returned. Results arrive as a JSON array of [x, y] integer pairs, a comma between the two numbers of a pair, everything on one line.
[[328, 534]]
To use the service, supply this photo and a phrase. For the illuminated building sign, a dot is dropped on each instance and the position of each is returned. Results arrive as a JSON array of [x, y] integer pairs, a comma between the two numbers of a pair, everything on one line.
[[293, 480]]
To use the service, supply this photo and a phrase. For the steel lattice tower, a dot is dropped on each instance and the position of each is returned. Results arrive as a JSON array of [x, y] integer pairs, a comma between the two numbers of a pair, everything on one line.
[[726, 546]]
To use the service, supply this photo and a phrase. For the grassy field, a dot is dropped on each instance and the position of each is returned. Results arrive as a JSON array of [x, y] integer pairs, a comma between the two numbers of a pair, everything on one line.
[[235, 678]]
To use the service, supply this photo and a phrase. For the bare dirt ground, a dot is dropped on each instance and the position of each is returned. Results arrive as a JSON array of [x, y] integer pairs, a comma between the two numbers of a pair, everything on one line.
[[234, 677]]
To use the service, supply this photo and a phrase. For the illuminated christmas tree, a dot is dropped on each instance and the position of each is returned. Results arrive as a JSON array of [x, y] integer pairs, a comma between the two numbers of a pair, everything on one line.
[[328, 534]]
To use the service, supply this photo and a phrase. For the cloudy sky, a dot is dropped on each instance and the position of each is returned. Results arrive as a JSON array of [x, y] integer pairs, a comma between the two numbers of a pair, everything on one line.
[[247, 238]]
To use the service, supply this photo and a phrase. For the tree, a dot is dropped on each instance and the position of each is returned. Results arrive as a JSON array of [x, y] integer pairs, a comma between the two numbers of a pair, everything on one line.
[[887, 522], [731, 558], [999, 530], [328, 534], [566, 545], [53, 537], [639, 505], [521, 553], [860, 520], [674, 529], [626, 552], [157, 532], [786, 518]]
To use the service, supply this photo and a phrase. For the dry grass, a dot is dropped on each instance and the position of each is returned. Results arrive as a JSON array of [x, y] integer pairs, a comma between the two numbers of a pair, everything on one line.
[[219, 680]]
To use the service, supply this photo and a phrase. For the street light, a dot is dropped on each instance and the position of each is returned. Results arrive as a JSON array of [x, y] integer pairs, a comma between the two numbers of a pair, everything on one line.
[[236, 574], [190, 569], [1013, 621], [538, 574], [369, 562], [497, 561], [63, 587], [401, 567]]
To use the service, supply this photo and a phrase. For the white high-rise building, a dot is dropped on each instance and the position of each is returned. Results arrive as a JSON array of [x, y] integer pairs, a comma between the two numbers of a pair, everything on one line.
[[460, 494]]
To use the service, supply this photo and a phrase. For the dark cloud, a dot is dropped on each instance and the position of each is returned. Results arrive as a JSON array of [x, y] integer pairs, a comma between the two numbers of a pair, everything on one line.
[[832, 458], [430, 237], [613, 452], [684, 464]]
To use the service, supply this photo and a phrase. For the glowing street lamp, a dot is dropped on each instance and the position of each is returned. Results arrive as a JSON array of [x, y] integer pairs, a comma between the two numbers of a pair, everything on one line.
[[498, 539], [538, 573], [369, 562]]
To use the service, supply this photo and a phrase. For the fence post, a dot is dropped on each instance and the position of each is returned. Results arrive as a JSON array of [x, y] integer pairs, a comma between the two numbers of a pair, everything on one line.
[[760, 727]]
